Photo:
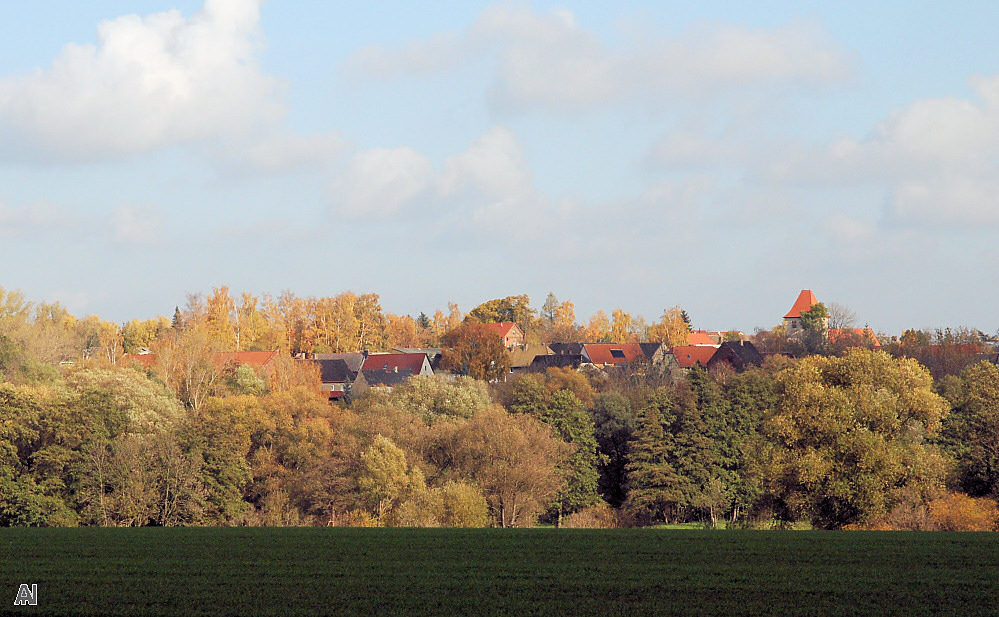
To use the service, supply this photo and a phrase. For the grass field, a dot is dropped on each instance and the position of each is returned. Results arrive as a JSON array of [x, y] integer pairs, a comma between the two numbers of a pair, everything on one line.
[[307, 571]]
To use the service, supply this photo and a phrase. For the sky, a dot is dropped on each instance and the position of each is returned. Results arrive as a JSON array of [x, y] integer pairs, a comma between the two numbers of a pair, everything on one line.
[[720, 156]]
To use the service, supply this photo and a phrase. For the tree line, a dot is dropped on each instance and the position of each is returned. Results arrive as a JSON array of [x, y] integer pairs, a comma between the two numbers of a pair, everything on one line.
[[862, 439]]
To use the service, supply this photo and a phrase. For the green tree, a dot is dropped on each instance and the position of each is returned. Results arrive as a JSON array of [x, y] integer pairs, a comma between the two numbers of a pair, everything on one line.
[[386, 477], [437, 398], [814, 338], [847, 441], [654, 484], [614, 426], [560, 408], [510, 308], [971, 430]]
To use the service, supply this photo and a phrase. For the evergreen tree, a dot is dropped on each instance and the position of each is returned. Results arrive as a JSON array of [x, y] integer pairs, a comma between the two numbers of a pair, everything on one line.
[[177, 323]]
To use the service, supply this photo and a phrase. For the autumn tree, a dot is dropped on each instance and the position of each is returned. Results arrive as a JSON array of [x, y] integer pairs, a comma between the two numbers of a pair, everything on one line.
[[476, 351], [945, 351], [188, 365], [672, 328], [511, 308], [620, 331], [513, 458], [847, 439], [598, 328], [137, 335], [403, 331]]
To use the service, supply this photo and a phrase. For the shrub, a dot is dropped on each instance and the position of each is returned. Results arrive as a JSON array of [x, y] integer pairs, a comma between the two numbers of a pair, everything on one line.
[[958, 512], [600, 516]]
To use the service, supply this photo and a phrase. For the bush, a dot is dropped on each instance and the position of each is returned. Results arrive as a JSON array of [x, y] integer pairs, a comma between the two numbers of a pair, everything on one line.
[[456, 504], [958, 512], [600, 516]]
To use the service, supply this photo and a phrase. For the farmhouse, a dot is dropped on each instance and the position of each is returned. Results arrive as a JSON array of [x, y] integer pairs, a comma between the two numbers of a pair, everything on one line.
[[510, 332]]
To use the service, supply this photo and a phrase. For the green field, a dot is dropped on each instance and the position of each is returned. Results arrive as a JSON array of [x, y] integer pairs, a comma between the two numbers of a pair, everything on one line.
[[306, 571]]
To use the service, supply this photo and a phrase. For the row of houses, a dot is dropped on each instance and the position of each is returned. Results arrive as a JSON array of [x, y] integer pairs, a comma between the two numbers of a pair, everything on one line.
[[353, 373], [345, 373]]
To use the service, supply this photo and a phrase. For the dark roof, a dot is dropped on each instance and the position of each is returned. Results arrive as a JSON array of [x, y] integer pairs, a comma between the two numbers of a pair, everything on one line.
[[412, 362], [390, 378], [565, 360], [990, 357], [566, 348], [353, 359], [650, 349], [740, 356], [430, 351], [335, 371]]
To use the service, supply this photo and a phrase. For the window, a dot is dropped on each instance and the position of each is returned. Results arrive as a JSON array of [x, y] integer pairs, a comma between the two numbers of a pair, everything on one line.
[[617, 353]]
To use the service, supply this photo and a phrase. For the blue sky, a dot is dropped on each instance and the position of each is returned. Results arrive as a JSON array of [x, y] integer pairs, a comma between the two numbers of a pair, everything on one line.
[[716, 155]]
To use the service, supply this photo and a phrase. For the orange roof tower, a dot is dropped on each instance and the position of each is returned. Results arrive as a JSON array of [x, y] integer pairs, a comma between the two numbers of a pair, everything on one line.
[[806, 300]]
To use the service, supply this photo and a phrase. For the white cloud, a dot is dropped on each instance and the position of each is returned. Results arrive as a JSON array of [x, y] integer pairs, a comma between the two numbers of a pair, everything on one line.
[[486, 188], [133, 225], [280, 152], [150, 81], [493, 166], [550, 62], [381, 182], [937, 158]]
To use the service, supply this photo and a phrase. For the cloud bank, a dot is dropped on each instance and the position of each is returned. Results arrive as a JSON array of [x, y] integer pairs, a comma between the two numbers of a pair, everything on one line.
[[149, 82], [549, 62]]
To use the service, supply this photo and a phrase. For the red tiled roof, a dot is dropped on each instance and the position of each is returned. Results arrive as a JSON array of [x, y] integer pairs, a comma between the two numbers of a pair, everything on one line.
[[145, 360], [613, 353], [249, 358], [239, 358], [392, 361], [689, 355], [700, 337], [806, 299], [864, 335], [502, 329]]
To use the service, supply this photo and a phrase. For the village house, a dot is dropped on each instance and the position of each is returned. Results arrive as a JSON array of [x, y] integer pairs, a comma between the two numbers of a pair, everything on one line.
[[522, 358], [687, 356], [854, 337], [338, 380], [603, 355], [414, 363], [510, 332], [738, 355]]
